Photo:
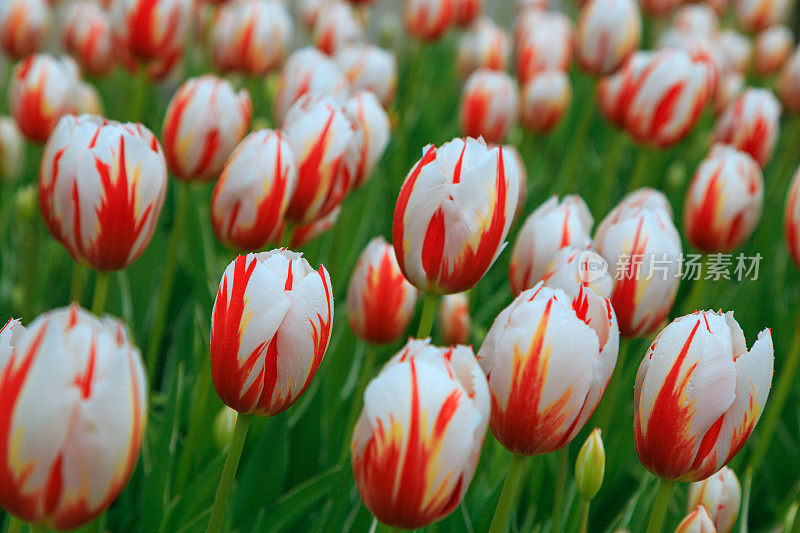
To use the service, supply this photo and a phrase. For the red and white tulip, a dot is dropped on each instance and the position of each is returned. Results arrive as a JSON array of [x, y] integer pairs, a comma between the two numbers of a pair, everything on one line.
[[720, 495], [24, 26], [365, 111], [751, 123], [545, 44], [336, 27], [369, 68], [758, 15], [697, 521], [483, 45], [544, 101], [489, 104], [791, 219], [454, 320], [788, 86], [467, 11], [773, 47], [87, 36], [608, 32], [428, 20]]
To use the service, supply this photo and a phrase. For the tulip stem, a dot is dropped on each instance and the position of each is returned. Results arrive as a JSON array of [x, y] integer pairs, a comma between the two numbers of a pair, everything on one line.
[[609, 171], [644, 163], [367, 362], [561, 480], [14, 524], [610, 396], [663, 496], [76, 287], [140, 87], [566, 179], [428, 313], [100, 293], [508, 495], [584, 517], [229, 473], [745, 508]]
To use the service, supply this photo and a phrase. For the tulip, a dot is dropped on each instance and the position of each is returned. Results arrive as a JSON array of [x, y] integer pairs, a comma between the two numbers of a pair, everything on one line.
[[336, 26], [467, 11], [10, 334], [791, 219], [308, 11], [750, 123], [697, 19], [150, 31], [24, 26], [788, 86], [454, 321], [483, 45], [370, 68], [11, 150], [251, 37], [489, 105], [757, 15], [365, 111], [224, 426], [608, 33], [87, 36], [544, 101], [380, 302], [728, 88], [573, 268], [736, 49], [204, 121], [702, 49], [548, 358], [590, 466], [253, 192], [328, 151], [696, 521], [42, 90], [720, 495], [724, 200], [639, 241], [453, 214], [75, 408], [698, 395], [417, 442], [773, 47], [101, 188], [550, 227], [428, 20], [308, 71], [546, 44]]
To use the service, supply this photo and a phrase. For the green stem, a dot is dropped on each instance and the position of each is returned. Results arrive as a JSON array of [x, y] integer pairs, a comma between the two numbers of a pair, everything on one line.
[[566, 179], [428, 313], [697, 291], [76, 287], [609, 173], [100, 292], [288, 233], [644, 163], [561, 480], [508, 496], [612, 391], [229, 473], [140, 88], [14, 524], [665, 488], [35, 528], [367, 363], [585, 517], [745, 508]]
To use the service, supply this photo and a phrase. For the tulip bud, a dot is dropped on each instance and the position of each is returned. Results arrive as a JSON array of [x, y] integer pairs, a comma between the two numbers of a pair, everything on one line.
[[590, 466], [308, 11], [251, 36], [428, 20], [736, 49], [204, 121], [608, 33], [454, 321], [308, 71], [788, 85], [336, 27], [757, 15], [484, 45], [453, 214], [42, 90], [224, 424], [791, 220], [87, 100], [87, 36], [24, 26], [574, 268], [370, 68], [545, 101], [720, 495], [697, 19], [75, 407], [773, 48], [548, 358], [550, 227], [751, 124], [699, 393], [545, 44], [724, 200], [10, 334], [101, 189], [728, 88], [489, 105], [150, 31], [11, 150], [365, 111], [467, 11], [419, 385], [697, 521], [253, 192]]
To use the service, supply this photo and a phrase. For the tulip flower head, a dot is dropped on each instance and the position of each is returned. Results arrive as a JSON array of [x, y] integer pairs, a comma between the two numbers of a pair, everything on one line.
[[489, 105], [417, 442], [428, 20], [788, 86], [791, 220], [729, 87], [11, 150], [336, 26], [574, 268], [608, 33], [380, 302], [467, 11], [548, 357], [545, 44], [720, 494], [101, 189], [736, 49], [773, 47], [370, 68], [698, 19], [757, 15], [483, 45], [253, 192], [270, 328], [698, 395], [453, 214], [697, 521], [74, 397], [751, 123], [87, 36], [544, 101], [150, 31], [365, 111], [454, 321], [24, 26]]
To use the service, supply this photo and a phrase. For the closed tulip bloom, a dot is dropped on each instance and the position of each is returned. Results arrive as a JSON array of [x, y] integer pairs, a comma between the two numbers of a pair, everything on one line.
[[751, 123], [454, 321], [552, 226], [9, 336], [736, 49], [640, 243], [41, 91], [720, 495], [791, 219], [253, 192], [365, 111], [573, 268], [11, 150], [150, 31], [608, 33], [74, 398], [205, 120], [728, 88], [757, 15], [698, 19], [308, 11], [87, 100], [308, 71], [336, 27], [696, 521], [788, 86], [428, 20], [380, 302], [467, 11], [270, 328], [489, 104], [483, 45], [251, 36], [724, 201], [87, 36], [698, 395], [369, 68], [544, 101], [24, 26], [101, 189], [544, 45], [773, 47], [548, 357], [453, 214], [417, 442]]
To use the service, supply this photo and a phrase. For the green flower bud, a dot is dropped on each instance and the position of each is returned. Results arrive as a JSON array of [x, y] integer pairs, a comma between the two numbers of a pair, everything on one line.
[[590, 466], [224, 424]]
